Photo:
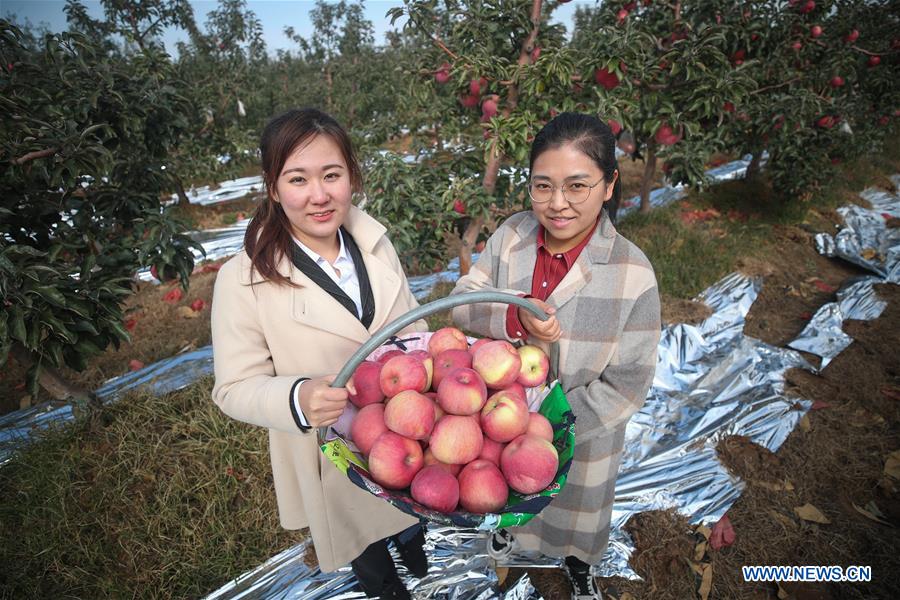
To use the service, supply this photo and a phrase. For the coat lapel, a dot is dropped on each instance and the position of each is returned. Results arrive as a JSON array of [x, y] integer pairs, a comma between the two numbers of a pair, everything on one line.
[[316, 308], [522, 257], [597, 251]]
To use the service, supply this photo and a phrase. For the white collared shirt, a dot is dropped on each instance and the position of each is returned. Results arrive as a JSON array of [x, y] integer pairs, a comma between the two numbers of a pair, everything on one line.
[[343, 273], [347, 280]]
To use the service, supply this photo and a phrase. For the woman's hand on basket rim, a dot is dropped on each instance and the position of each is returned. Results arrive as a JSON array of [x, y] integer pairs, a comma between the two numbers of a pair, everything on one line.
[[545, 331], [322, 404]]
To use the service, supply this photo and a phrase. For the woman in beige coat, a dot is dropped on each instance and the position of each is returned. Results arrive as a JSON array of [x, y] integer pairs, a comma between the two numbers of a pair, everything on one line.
[[317, 276]]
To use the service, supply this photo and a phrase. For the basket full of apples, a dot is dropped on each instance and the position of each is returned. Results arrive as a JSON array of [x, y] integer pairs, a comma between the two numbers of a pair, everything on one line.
[[452, 429]]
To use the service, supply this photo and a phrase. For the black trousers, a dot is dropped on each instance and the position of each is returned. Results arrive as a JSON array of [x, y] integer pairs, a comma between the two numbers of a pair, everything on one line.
[[375, 569]]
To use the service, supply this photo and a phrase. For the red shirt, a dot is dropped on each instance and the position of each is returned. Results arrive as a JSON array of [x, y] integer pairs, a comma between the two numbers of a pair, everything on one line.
[[549, 270]]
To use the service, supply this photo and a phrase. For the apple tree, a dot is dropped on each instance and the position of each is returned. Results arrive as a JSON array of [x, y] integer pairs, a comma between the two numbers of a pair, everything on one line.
[[822, 90], [83, 145], [489, 75], [660, 72], [223, 69]]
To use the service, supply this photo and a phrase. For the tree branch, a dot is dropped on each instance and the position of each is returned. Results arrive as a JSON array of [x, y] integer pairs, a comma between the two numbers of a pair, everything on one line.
[[146, 31], [437, 41], [35, 155], [776, 86]]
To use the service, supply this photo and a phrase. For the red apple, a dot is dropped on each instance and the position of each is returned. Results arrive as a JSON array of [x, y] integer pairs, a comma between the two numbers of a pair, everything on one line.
[[478, 344], [665, 136], [389, 355], [515, 389], [403, 372], [410, 414], [808, 7], [797, 45], [728, 107], [394, 460], [535, 54], [498, 363], [488, 109], [539, 425], [459, 207], [450, 468], [482, 488], [491, 450], [535, 366], [621, 15], [475, 87], [837, 81], [469, 101], [447, 361], [461, 392], [852, 36], [367, 381], [874, 61], [456, 439], [815, 31], [606, 78], [626, 143], [826, 122], [367, 426], [426, 359], [435, 488], [529, 464], [438, 411], [504, 417], [443, 73], [447, 338], [614, 126]]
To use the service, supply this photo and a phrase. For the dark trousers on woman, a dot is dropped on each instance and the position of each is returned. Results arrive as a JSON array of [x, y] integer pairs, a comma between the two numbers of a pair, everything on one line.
[[375, 569]]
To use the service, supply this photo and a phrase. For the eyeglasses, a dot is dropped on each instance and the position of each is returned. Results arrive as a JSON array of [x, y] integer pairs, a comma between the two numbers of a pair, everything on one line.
[[576, 192]]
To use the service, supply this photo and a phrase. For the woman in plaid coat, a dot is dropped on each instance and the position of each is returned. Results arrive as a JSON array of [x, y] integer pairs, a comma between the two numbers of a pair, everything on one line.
[[567, 257]]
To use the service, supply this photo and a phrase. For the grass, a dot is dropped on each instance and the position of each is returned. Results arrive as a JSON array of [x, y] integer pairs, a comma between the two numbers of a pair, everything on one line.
[[168, 497], [160, 498]]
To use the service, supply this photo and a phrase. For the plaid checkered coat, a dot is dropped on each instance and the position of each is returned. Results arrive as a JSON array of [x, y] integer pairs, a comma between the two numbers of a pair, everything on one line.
[[608, 309]]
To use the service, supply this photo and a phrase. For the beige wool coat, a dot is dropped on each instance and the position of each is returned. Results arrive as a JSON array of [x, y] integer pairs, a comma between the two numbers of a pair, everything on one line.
[[264, 337], [609, 314]]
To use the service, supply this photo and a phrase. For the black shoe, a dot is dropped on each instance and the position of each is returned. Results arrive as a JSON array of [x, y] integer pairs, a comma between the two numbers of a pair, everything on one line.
[[583, 585], [412, 553], [395, 590]]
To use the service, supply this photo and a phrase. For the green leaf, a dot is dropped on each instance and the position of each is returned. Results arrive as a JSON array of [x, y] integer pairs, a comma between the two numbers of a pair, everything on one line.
[[17, 324], [51, 295], [85, 326]]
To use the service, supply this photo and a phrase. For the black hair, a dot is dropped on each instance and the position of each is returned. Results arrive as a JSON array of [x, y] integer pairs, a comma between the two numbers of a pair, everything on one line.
[[591, 136], [269, 234]]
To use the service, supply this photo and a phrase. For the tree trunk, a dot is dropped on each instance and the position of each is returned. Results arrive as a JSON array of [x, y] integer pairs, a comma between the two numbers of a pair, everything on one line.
[[753, 167], [328, 87], [492, 169], [647, 179], [179, 189], [53, 382]]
